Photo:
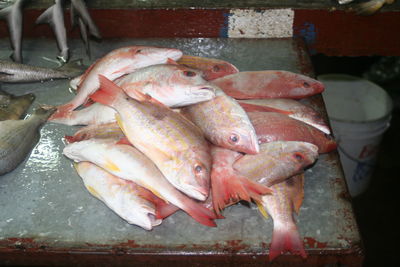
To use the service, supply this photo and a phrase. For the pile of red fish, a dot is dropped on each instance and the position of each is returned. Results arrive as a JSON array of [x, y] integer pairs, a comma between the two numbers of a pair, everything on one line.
[[167, 131]]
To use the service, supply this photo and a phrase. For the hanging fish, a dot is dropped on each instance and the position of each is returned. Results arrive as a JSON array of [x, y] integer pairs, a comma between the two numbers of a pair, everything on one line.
[[54, 16], [13, 15]]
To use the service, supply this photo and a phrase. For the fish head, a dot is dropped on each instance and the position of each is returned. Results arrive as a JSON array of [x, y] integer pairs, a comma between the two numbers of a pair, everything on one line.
[[302, 84], [194, 172], [155, 55], [243, 139], [218, 70], [303, 153]]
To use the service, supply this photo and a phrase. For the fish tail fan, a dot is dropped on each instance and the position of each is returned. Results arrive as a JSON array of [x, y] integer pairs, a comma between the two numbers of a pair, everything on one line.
[[108, 92], [286, 239], [369, 7], [200, 213]]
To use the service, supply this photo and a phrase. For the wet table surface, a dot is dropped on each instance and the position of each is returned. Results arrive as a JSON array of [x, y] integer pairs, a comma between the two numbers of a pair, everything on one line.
[[46, 213]]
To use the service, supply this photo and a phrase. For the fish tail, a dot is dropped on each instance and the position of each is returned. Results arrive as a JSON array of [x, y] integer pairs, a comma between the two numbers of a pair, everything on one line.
[[200, 213], [73, 68], [253, 107], [286, 238], [164, 209], [108, 92]]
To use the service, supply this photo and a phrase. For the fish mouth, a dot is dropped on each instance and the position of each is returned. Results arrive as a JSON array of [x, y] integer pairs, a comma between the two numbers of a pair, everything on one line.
[[207, 92], [198, 193]]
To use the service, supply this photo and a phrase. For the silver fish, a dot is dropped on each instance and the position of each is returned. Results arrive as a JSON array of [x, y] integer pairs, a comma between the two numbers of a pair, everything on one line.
[[13, 15], [54, 16], [18, 137], [11, 72]]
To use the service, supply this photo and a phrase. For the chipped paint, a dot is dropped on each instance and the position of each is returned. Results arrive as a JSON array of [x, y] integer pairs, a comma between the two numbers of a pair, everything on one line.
[[269, 23]]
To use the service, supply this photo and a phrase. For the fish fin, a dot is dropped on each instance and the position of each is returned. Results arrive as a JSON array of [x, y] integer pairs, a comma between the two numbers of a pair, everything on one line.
[[253, 107], [108, 92], [46, 16], [70, 139], [124, 141], [262, 209], [164, 210], [200, 213], [171, 61], [285, 239], [63, 111], [298, 198], [228, 188]]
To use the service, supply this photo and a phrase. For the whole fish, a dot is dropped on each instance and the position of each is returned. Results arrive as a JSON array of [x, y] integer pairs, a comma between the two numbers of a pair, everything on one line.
[[93, 114], [287, 199], [118, 62], [128, 163], [268, 84], [15, 107], [212, 68], [224, 123], [172, 85], [11, 72], [103, 131], [276, 161], [18, 137], [125, 198], [13, 15], [229, 186], [271, 126], [54, 16], [172, 142], [290, 107]]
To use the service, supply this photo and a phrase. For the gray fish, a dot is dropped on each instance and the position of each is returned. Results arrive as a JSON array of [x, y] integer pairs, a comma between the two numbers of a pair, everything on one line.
[[13, 15], [11, 72], [18, 137], [54, 16], [14, 107]]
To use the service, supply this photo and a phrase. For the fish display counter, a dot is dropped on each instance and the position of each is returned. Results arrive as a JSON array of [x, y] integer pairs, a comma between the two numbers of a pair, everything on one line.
[[47, 217]]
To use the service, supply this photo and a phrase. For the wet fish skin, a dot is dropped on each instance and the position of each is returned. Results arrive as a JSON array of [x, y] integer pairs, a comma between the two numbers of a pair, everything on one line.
[[113, 65], [103, 131], [18, 137], [271, 126], [290, 107], [13, 15], [171, 84], [128, 163], [16, 107], [268, 84], [212, 68], [172, 142], [123, 197], [287, 199], [224, 123], [54, 16], [11, 72], [276, 161]]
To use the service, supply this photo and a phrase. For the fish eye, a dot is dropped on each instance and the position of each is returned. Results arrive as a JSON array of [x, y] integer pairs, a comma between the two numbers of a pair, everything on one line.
[[306, 84], [198, 168], [298, 156], [138, 51], [216, 68], [189, 73], [234, 138]]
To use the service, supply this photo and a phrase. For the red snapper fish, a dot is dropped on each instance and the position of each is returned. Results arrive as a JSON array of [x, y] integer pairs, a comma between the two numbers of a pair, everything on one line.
[[212, 68], [115, 64], [130, 201], [271, 126], [172, 142], [229, 186], [287, 199], [128, 163], [224, 123], [268, 84], [290, 107]]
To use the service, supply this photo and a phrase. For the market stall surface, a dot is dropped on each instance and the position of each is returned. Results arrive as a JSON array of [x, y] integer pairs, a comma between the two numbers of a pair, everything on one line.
[[46, 213]]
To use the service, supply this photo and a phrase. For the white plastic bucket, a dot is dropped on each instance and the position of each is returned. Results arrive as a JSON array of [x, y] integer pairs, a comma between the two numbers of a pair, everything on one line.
[[359, 112]]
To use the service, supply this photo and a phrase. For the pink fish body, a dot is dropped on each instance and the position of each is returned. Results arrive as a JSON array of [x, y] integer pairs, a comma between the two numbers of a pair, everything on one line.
[[171, 84], [268, 84], [118, 62], [127, 162], [172, 142], [224, 123], [271, 126], [287, 199], [292, 108], [276, 161], [212, 68], [97, 131]]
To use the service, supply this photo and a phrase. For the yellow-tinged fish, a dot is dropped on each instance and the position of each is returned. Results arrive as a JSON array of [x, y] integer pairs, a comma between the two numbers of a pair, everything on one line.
[[103, 131], [172, 142], [224, 123], [281, 205], [125, 198], [128, 163]]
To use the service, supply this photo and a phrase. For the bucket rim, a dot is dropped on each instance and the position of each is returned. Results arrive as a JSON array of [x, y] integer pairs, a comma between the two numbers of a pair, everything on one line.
[[354, 78]]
